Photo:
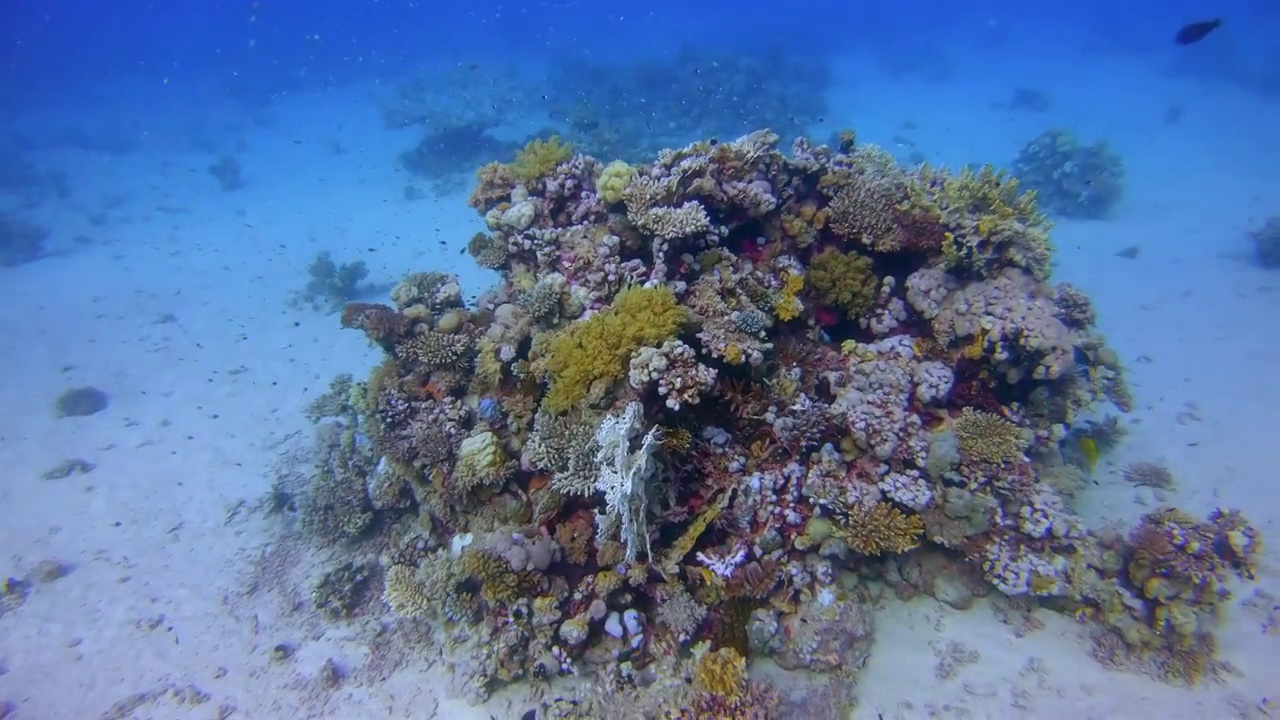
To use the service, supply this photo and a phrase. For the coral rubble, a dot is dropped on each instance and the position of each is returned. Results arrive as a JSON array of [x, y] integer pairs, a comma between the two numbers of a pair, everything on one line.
[[713, 392]]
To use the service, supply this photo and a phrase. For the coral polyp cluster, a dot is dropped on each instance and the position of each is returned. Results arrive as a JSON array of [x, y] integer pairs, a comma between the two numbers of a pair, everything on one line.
[[713, 393]]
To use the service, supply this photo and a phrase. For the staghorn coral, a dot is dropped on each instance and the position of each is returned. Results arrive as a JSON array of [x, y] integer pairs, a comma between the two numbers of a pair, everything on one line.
[[599, 349], [670, 223], [489, 251], [1148, 474], [1070, 178]]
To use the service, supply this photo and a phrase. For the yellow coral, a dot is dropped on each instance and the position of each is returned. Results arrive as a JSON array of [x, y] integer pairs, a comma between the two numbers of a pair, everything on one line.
[[606, 582], [481, 461], [879, 529], [600, 347], [988, 438], [539, 159], [684, 544], [733, 354], [845, 280], [489, 368], [786, 303], [614, 180], [722, 673], [499, 584]]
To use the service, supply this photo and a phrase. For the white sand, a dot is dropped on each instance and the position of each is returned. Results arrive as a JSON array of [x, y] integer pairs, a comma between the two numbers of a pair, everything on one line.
[[170, 590]]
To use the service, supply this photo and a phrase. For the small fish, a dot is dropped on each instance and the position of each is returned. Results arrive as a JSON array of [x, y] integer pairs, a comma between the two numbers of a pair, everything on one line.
[[1089, 449], [1196, 31]]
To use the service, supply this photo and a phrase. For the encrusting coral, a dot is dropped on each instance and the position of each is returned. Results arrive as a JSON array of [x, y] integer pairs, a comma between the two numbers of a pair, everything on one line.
[[712, 427]]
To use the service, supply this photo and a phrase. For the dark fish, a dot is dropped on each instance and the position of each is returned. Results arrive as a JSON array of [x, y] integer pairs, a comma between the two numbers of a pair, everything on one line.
[[1196, 31]]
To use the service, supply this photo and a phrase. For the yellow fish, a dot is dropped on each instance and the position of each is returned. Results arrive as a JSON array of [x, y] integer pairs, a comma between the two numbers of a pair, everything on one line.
[[1089, 450]]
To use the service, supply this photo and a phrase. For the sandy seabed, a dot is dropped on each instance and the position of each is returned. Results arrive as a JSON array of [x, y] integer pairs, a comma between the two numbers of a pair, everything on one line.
[[180, 589]]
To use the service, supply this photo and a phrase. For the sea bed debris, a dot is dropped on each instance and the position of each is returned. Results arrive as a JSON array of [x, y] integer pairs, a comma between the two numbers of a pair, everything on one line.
[[714, 393]]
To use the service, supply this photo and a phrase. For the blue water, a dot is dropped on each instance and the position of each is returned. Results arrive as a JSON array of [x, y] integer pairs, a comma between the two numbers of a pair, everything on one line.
[[170, 174]]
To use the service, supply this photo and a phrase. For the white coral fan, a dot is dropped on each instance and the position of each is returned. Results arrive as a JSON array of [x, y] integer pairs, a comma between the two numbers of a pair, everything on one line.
[[622, 478], [680, 378]]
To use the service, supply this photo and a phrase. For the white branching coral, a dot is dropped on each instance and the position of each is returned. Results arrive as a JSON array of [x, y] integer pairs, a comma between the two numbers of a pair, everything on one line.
[[723, 564], [622, 478], [675, 369]]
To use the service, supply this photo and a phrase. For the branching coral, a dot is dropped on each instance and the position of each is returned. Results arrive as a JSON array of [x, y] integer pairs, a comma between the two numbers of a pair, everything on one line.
[[880, 528], [599, 349], [988, 438], [674, 370]]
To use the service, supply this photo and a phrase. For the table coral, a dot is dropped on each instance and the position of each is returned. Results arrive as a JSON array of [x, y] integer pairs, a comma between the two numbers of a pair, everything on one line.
[[648, 421]]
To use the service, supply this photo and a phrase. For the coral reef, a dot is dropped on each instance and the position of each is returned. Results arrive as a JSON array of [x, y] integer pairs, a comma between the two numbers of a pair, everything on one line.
[[712, 393], [21, 242], [1266, 243], [332, 285], [1071, 179], [228, 173], [631, 110], [81, 402]]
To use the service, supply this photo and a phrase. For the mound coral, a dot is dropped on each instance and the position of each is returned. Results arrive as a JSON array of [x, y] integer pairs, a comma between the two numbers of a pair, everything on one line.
[[614, 180], [680, 417]]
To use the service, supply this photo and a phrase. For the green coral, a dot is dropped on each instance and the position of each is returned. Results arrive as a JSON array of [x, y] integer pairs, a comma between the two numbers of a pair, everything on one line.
[[539, 159], [845, 280], [600, 348], [990, 221], [988, 438], [613, 180]]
